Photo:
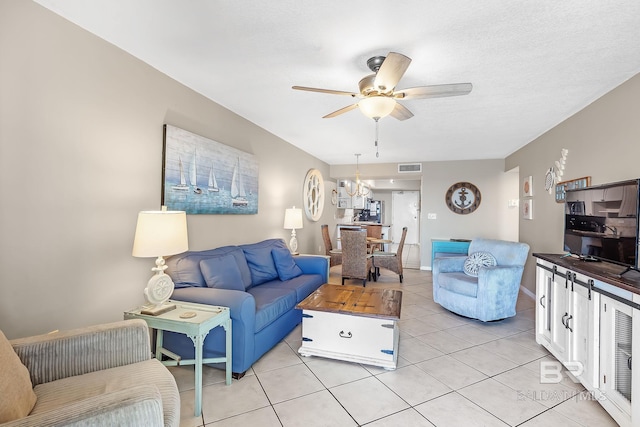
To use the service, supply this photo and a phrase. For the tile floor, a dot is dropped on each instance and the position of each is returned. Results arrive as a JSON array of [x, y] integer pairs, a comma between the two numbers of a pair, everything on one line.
[[452, 371]]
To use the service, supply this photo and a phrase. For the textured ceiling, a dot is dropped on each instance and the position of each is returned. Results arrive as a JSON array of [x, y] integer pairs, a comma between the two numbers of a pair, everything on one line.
[[532, 64]]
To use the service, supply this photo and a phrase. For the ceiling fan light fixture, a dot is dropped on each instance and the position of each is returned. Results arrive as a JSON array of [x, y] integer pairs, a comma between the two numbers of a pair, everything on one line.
[[376, 107]]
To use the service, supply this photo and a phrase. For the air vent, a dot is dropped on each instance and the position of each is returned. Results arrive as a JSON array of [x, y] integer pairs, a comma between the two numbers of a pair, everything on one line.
[[409, 167]]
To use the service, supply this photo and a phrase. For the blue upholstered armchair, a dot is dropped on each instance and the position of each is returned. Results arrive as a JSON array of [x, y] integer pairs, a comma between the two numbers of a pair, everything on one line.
[[492, 294]]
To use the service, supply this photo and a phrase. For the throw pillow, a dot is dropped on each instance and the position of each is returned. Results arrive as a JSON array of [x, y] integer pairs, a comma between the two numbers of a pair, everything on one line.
[[285, 265], [260, 264], [476, 260], [222, 273], [16, 389]]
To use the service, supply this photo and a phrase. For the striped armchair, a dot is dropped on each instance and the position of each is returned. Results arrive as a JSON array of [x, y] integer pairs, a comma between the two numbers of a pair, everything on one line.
[[100, 375]]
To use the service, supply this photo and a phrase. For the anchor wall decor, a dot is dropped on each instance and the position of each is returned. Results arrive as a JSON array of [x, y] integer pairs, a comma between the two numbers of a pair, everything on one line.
[[463, 198]]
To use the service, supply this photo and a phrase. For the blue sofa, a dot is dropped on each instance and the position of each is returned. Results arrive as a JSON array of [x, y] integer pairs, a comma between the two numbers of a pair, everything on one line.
[[261, 283], [485, 293]]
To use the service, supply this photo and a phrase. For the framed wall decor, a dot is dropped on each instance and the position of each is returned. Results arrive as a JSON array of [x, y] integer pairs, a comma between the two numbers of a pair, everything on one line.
[[527, 187], [527, 209], [562, 187], [313, 194], [463, 198], [202, 176]]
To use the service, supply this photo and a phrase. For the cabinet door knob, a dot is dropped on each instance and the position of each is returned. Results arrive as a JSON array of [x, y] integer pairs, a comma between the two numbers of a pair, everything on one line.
[[343, 335], [563, 317], [567, 323], [542, 298]]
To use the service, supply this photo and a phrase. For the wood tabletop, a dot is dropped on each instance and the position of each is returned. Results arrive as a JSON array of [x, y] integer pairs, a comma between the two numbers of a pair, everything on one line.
[[355, 300]]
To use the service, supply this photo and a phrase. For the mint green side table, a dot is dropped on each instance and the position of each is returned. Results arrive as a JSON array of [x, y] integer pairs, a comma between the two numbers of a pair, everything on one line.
[[195, 321]]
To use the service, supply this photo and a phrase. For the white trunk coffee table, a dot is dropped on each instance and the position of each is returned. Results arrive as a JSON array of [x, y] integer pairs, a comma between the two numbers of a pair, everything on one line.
[[352, 323]]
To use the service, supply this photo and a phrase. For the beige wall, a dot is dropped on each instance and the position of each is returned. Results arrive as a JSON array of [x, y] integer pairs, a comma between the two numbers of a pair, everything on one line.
[[81, 154], [602, 140], [493, 219]]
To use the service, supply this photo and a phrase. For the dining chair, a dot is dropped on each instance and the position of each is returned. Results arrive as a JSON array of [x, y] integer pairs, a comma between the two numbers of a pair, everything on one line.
[[334, 254], [390, 260], [356, 262], [374, 232]]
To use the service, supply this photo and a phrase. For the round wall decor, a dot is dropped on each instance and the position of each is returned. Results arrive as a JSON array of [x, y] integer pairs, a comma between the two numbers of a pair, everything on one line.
[[463, 198], [313, 197]]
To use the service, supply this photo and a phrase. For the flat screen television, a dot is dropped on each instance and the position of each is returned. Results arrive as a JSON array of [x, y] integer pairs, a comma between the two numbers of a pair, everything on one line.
[[601, 223]]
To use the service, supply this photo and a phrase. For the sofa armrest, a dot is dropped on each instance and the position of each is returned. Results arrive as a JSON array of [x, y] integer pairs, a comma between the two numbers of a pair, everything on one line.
[[498, 284], [53, 356], [241, 304], [135, 406], [314, 264]]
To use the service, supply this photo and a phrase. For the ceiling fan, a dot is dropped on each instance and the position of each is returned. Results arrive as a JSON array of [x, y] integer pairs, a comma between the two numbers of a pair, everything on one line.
[[378, 94]]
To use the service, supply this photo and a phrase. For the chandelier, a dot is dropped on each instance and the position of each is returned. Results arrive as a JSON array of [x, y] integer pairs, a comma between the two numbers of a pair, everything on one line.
[[360, 190]]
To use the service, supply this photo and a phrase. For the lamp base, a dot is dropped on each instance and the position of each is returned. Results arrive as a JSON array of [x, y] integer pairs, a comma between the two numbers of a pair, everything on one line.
[[155, 310]]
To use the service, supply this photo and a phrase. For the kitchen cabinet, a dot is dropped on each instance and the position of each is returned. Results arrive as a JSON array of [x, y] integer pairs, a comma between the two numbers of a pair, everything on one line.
[[344, 199]]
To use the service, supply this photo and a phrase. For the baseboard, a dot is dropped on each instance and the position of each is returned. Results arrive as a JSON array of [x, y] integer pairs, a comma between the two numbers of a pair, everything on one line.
[[527, 292]]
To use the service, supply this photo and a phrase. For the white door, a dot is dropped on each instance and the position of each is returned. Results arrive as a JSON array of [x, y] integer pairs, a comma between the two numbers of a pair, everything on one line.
[[405, 213]]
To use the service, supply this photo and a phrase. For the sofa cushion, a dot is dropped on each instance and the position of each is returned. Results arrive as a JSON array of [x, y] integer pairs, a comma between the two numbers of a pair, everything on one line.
[[303, 285], [476, 260], [260, 261], [16, 388], [285, 265], [459, 283], [272, 301], [222, 273], [185, 271]]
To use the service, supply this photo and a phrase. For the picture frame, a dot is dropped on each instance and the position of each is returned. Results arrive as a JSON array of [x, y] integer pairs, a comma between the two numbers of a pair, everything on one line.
[[562, 187], [202, 176], [527, 209], [527, 187]]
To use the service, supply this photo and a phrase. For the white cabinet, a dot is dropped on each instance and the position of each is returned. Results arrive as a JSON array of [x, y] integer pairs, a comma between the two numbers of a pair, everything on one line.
[[616, 336], [566, 319], [592, 327], [344, 199]]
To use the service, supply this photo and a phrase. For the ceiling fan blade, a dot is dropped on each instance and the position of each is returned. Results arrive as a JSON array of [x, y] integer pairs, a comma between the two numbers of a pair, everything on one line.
[[434, 91], [341, 111], [401, 112], [391, 71], [330, 91]]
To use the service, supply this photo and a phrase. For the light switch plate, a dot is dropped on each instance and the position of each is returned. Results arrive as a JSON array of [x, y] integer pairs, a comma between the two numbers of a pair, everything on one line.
[[432, 216]]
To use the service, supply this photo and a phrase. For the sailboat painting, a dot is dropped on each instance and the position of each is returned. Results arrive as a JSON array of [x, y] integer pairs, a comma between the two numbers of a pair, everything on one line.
[[202, 176]]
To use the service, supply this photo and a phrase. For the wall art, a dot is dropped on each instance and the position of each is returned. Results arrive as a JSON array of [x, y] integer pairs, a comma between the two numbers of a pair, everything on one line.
[[527, 187], [202, 176], [463, 198], [527, 209]]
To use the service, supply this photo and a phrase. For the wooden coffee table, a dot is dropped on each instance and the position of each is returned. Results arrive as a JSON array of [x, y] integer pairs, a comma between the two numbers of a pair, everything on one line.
[[352, 323]]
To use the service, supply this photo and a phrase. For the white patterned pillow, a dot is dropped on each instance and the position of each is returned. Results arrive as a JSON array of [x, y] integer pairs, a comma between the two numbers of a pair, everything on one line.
[[476, 260]]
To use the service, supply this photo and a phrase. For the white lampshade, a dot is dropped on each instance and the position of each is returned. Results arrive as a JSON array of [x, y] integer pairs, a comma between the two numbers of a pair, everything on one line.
[[377, 107], [160, 233], [293, 219]]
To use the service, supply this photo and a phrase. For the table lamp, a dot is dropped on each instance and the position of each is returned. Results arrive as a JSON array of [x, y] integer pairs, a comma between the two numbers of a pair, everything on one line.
[[160, 233], [293, 221]]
